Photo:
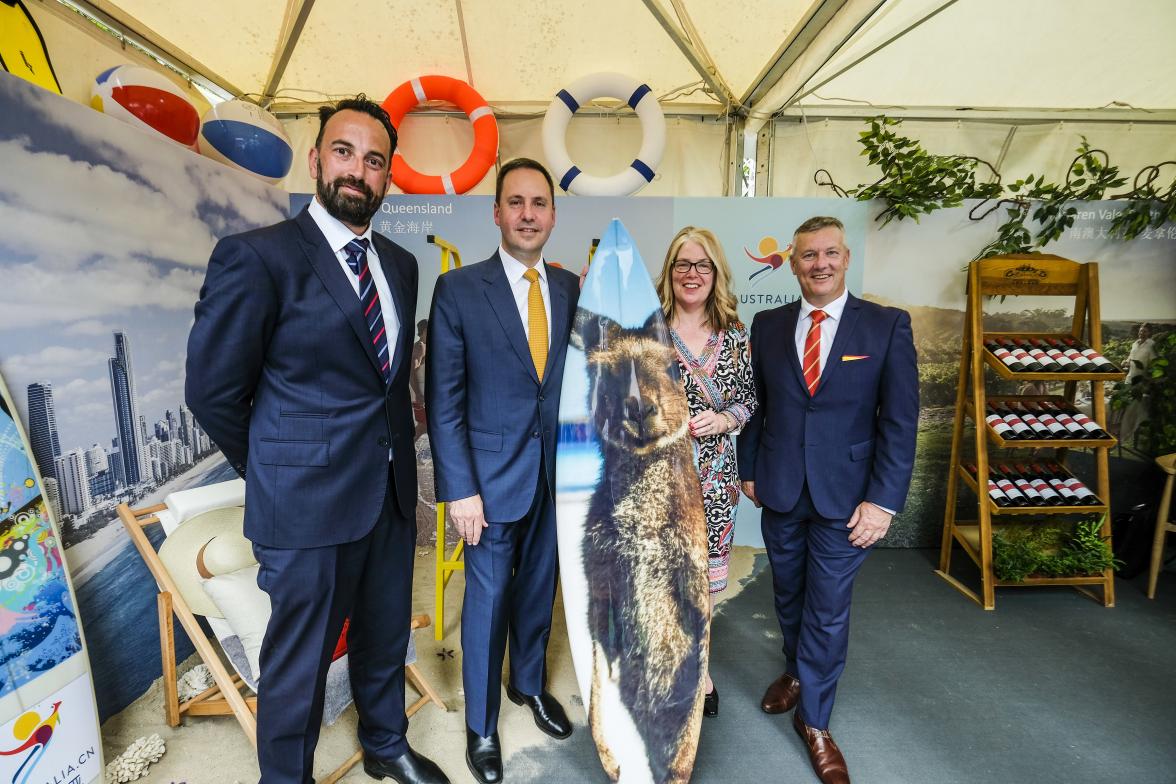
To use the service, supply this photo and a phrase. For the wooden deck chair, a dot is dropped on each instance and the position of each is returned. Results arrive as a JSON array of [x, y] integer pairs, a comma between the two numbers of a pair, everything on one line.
[[180, 598]]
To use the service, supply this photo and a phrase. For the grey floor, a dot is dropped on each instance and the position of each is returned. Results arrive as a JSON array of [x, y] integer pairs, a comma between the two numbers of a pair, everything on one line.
[[1050, 687]]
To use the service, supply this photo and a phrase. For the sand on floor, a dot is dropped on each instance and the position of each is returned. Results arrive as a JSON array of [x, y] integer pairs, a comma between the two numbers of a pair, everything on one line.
[[213, 750]]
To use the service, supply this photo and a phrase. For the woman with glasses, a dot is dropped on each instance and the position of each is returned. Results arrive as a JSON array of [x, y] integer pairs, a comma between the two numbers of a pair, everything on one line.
[[695, 291]]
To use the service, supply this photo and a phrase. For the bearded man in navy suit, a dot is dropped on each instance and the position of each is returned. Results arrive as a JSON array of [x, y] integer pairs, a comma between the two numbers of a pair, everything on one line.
[[298, 368], [828, 456]]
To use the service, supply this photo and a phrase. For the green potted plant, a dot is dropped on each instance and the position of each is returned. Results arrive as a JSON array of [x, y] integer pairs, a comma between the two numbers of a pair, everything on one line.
[[1051, 550]]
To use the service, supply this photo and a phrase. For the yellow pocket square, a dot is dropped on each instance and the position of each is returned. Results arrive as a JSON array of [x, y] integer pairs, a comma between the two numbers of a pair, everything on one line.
[[853, 357]]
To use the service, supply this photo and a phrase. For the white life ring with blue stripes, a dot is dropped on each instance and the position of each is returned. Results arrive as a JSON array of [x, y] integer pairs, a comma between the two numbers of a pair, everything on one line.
[[653, 135]]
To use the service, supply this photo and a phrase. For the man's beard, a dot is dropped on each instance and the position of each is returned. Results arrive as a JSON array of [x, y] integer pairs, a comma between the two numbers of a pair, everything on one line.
[[352, 210]]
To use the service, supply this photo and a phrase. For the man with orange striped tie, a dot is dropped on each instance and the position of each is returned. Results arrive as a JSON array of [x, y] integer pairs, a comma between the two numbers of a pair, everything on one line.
[[828, 457], [498, 335]]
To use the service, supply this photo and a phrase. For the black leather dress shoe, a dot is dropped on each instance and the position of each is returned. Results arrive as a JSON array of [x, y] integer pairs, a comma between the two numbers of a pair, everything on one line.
[[710, 703], [549, 714], [408, 768], [484, 757]]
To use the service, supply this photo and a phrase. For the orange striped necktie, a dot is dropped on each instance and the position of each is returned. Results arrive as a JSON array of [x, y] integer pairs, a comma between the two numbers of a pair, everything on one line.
[[536, 323], [812, 353]]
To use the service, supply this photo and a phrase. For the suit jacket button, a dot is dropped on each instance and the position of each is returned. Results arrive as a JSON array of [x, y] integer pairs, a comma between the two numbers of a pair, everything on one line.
[[535, 434], [382, 441], [541, 398], [811, 409]]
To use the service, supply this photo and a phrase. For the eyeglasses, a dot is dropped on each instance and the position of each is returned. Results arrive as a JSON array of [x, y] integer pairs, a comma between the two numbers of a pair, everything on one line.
[[704, 267]]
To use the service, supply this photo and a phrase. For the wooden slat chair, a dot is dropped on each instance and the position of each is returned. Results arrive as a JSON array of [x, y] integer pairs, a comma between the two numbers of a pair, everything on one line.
[[230, 694], [1164, 524]]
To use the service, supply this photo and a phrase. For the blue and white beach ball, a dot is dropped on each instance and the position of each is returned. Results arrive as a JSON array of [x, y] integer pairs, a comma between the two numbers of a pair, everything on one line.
[[248, 137]]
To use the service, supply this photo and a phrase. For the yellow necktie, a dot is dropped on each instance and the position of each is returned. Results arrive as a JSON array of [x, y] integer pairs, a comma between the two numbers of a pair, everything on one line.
[[536, 323]]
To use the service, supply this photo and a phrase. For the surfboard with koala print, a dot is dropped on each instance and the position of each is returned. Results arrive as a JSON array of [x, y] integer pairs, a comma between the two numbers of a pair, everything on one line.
[[631, 527]]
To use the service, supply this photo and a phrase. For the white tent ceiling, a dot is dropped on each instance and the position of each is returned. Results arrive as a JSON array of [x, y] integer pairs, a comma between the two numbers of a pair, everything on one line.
[[995, 54]]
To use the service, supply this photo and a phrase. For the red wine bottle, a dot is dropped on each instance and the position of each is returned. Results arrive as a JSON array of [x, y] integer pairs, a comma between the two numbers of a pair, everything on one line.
[[1046, 417], [1091, 426], [1004, 355], [998, 496], [1022, 356], [1015, 422], [1084, 494], [1047, 364], [1103, 364], [1075, 430], [999, 425], [1039, 483], [1028, 490], [1072, 354], [1023, 411], [1006, 486], [1065, 363], [1057, 484]]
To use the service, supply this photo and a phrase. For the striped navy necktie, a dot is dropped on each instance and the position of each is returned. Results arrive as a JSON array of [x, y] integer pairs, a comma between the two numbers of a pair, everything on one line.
[[369, 299]]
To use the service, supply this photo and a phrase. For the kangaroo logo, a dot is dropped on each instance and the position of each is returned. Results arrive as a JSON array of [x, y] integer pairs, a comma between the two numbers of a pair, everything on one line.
[[770, 255], [35, 733]]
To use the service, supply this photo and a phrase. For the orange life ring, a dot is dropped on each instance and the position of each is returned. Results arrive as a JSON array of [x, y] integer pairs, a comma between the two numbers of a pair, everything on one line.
[[445, 88]]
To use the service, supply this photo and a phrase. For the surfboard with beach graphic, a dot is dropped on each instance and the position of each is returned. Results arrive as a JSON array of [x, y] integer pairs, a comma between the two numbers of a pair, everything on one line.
[[48, 716]]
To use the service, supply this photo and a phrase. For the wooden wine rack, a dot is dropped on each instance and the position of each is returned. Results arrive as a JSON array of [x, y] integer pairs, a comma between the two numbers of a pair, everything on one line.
[[1022, 275]]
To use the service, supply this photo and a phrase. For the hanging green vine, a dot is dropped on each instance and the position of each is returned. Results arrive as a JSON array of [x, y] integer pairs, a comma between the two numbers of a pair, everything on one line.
[[916, 182]]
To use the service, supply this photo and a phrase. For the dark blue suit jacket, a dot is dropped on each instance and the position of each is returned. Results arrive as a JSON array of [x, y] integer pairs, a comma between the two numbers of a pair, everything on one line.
[[854, 439], [490, 419], [282, 375]]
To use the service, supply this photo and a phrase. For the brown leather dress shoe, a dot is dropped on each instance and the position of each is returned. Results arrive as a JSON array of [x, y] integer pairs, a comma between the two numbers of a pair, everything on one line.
[[826, 758], [782, 695]]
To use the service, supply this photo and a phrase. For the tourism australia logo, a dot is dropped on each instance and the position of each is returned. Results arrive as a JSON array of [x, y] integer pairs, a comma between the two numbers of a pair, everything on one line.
[[43, 746], [768, 258]]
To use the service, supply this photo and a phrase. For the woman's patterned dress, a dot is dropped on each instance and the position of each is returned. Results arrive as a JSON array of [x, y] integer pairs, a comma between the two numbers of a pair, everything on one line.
[[719, 379]]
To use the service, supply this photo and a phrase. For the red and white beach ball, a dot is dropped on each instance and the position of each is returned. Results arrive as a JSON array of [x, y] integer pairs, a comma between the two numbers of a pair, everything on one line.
[[247, 137], [146, 99]]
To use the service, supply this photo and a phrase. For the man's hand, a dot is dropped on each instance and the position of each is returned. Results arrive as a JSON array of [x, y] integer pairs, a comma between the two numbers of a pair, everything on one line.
[[869, 524], [467, 517], [749, 491]]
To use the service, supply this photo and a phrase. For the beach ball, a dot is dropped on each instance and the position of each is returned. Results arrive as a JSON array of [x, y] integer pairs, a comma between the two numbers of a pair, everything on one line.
[[247, 137], [146, 99]]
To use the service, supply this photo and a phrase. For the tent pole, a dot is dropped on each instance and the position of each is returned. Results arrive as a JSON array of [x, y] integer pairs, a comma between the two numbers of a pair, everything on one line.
[[297, 12], [802, 34], [465, 44], [689, 42], [858, 60]]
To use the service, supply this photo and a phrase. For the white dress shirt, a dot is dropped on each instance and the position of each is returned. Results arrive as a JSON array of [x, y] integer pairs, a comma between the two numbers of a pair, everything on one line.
[[828, 327], [338, 236], [521, 288]]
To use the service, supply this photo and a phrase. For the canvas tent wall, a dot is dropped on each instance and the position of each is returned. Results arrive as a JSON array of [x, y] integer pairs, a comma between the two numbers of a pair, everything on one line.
[[1009, 81]]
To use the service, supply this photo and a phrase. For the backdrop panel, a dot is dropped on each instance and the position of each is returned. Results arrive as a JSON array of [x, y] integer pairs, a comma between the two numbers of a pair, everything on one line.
[[105, 232]]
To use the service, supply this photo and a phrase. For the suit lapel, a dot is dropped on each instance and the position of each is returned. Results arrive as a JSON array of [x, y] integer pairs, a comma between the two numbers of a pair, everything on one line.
[[849, 320], [791, 314], [396, 285], [326, 265], [503, 303], [559, 323]]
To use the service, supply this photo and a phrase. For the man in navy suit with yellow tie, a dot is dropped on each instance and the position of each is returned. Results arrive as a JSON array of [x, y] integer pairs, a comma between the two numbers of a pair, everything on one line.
[[498, 335], [298, 366], [828, 456]]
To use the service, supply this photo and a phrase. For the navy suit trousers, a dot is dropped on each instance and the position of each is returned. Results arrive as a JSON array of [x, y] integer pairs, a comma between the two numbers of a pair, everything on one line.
[[510, 588], [813, 567], [312, 591]]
